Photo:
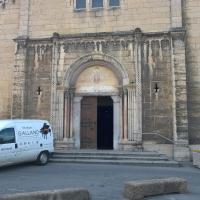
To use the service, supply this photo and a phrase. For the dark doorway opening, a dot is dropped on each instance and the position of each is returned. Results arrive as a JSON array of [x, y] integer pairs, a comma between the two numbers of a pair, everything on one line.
[[104, 123]]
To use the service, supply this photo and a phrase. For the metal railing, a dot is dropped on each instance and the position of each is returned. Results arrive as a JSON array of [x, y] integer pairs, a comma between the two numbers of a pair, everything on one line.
[[159, 135]]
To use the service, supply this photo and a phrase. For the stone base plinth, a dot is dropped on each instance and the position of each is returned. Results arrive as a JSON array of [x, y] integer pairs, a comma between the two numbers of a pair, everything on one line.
[[66, 144], [181, 152], [130, 146]]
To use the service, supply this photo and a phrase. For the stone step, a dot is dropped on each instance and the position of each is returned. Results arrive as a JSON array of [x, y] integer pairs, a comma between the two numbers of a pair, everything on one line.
[[108, 153], [113, 157], [109, 157], [159, 163]]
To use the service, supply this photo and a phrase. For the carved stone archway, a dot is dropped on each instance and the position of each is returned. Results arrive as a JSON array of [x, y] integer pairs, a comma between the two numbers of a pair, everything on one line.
[[123, 96], [91, 60], [107, 65]]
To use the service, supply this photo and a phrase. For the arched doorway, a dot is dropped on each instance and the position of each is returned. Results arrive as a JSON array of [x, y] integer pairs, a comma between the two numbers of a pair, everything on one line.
[[97, 122], [101, 76], [96, 84]]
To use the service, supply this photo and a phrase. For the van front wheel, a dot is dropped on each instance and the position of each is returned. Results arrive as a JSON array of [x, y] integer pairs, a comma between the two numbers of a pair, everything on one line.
[[43, 158]]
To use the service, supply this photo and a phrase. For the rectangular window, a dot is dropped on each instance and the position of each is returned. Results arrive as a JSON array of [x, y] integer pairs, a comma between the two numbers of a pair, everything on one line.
[[7, 136], [97, 3], [80, 4], [113, 3]]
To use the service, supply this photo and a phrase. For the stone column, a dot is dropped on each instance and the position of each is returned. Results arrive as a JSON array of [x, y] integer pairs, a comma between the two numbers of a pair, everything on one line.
[[17, 109], [121, 117], [181, 149], [116, 121], [138, 90], [67, 115], [125, 114], [130, 114], [76, 123], [176, 13], [59, 113], [69, 94]]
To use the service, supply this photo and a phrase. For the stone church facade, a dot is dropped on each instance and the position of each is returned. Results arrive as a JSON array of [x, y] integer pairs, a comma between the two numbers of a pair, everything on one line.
[[107, 74]]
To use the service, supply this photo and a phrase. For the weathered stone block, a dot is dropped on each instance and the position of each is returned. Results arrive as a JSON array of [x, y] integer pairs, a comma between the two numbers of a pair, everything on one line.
[[65, 194], [137, 190]]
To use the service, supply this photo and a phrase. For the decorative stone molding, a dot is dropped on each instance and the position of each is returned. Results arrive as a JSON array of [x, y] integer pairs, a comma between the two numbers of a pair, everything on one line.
[[99, 45], [89, 60]]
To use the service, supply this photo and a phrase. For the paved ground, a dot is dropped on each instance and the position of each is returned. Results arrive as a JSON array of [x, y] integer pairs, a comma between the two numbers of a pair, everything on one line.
[[105, 182]]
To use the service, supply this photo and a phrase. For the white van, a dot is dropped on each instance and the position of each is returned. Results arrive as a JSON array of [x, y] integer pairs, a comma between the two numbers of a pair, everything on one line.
[[24, 141]]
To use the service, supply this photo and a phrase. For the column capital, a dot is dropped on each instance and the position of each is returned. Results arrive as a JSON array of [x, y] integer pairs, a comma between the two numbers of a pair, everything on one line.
[[116, 99], [55, 37], [138, 35], [77, 99], [178, 34], [22, 42]]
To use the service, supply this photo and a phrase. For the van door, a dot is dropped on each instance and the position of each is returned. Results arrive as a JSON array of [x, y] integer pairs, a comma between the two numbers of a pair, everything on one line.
[[7, 146]]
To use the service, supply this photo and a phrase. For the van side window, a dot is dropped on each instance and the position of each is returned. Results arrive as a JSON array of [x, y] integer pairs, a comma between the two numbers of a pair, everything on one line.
[[7, 136]]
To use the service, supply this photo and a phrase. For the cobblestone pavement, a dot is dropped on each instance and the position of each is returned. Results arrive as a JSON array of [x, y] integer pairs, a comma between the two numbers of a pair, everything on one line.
[[105, 182]]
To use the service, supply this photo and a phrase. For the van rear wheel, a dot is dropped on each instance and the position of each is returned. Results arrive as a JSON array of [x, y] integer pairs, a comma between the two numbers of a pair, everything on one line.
[[43, 158]]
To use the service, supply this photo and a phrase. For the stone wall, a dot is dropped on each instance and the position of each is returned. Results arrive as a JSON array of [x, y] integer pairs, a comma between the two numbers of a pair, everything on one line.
[[38, 82], [157, 88], [9, 18], [192, 23], [48, 16]]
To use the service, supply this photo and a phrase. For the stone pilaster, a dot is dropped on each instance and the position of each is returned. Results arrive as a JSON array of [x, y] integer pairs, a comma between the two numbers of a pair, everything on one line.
[[176, 13], [116, 121], [24, 18], [17, 110], [181, 150], [76, 128], [54, 119], [18, 89], [138, 89]]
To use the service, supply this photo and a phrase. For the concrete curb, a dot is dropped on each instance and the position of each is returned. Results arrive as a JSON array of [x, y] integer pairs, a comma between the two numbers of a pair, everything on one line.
[[137, 190], [65, 194]]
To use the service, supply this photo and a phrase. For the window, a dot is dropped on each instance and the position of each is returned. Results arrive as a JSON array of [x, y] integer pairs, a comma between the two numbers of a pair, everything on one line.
[[97, 3], [80, 4], [113, 3], [7, 136]]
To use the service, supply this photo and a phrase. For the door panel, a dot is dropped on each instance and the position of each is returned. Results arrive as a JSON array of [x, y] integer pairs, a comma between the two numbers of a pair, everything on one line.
[[89, 123], [105, 123]]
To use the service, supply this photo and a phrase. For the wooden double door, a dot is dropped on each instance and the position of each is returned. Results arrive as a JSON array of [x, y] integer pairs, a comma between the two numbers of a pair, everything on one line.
[[97, 123]]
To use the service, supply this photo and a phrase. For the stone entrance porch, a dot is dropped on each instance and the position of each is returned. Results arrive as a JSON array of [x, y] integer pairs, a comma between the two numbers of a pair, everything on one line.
[[100, 76]]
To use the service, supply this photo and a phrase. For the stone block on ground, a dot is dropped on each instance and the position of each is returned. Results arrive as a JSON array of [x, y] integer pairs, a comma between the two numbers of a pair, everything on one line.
[[65, 194], [137, 190]]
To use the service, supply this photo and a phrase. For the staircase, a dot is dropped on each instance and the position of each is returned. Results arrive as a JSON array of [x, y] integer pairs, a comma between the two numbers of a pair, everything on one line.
[[113, 157]]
